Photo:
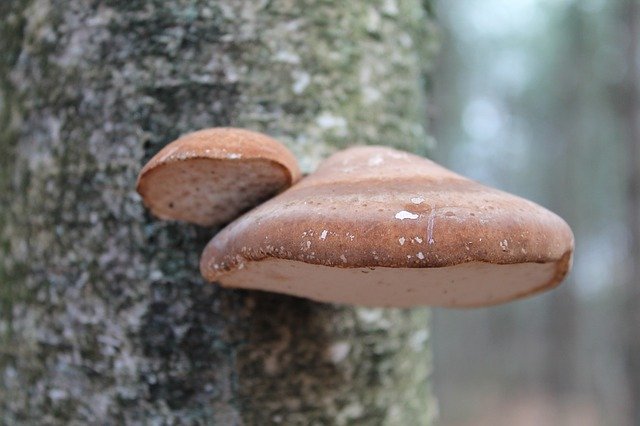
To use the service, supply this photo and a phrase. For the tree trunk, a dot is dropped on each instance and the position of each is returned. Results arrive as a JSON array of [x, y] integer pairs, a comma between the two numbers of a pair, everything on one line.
[[105, 319], [562, 317], [630, 108]]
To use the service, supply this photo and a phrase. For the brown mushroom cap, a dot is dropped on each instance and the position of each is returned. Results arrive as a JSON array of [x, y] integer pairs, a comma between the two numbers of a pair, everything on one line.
[[375, 226], [212, 176]]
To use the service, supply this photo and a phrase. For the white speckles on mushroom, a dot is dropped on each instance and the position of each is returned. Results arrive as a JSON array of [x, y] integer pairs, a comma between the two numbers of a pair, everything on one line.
[[443, 264], [183, 155], [234, 156], [398, 155], [402, 215], [376, 160], [430, 225]]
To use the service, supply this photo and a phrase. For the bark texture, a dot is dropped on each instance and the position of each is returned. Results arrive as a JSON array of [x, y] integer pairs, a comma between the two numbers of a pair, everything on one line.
[[105, 319]]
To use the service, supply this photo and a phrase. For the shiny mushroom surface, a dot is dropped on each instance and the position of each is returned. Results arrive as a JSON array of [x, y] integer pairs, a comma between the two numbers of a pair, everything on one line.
[[380, 227]]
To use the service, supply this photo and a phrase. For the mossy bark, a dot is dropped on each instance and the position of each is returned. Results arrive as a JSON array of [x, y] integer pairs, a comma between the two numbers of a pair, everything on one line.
[[105, 319]]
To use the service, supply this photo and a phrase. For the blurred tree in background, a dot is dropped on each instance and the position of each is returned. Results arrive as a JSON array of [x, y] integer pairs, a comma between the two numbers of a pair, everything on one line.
[[540, 97], [627, 102]]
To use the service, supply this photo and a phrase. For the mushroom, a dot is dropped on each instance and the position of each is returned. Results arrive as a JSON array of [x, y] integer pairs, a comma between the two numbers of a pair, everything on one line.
[[212, 176], [379, 227]]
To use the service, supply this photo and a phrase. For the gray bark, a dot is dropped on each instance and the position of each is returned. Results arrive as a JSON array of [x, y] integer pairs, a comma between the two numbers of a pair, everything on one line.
[[105, 319]]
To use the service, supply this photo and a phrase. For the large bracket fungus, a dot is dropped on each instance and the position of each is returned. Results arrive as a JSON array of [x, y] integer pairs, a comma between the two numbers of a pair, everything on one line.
[[379, 227]]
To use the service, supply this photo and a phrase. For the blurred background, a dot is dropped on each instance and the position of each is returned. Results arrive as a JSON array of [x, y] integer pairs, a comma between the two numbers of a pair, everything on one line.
[[540, 98]]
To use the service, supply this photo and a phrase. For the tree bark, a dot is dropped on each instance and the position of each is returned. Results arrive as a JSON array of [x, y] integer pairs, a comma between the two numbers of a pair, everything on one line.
[[105, 319]]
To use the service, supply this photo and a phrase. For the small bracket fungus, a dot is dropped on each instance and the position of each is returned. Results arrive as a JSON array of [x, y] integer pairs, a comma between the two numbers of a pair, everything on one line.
[[375, 226], [212, 176]]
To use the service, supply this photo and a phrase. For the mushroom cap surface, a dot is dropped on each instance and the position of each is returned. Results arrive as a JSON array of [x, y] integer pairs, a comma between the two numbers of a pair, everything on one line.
[[212, 176], [379, 227]]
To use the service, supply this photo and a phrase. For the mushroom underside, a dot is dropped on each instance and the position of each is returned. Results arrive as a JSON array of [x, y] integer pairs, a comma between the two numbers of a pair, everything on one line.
[[211, 192], [465, 285]]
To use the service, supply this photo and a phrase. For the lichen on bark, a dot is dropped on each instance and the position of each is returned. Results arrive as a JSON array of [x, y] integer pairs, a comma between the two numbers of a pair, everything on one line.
[[103, 311]]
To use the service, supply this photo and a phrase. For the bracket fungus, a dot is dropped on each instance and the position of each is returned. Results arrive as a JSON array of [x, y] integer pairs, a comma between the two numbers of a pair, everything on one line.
[[379, 227], [211, 176]]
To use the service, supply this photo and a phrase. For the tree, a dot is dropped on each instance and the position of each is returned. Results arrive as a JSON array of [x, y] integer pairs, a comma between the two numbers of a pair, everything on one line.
[[629, 105], [104, 316]]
